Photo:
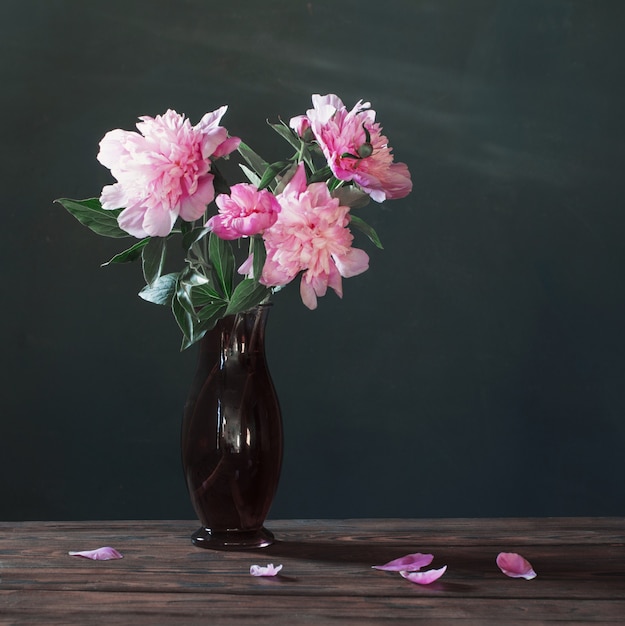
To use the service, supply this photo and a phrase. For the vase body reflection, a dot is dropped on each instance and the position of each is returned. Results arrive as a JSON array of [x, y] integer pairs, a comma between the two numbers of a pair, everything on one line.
[[232, 435]]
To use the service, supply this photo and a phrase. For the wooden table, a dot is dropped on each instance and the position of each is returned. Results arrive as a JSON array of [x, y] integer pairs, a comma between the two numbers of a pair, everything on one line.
[[327, 576]]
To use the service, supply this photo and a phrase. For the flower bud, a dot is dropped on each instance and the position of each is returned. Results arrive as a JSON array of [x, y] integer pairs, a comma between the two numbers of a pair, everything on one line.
[[366, 150], [308, 136]]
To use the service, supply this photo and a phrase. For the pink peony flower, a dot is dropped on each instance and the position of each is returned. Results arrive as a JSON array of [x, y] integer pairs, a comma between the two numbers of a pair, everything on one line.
[[245, 212], [355, 148], [163, 171], [311, 235]]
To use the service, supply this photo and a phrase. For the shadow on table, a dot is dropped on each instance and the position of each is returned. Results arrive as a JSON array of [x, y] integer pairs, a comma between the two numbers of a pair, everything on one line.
[[365, 555]]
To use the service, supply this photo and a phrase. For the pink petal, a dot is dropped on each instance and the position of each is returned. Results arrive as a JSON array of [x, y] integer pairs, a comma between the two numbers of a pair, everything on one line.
[[270, 570], [408, 563], [354, 262], [515, 566], [297, 184], [300, 124], [424, 578], [227, 146], [101, 554], [307, 294], [247, 266]]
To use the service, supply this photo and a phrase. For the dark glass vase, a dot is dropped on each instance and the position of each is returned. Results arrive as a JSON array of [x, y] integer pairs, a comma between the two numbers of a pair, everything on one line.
[[232, 435]]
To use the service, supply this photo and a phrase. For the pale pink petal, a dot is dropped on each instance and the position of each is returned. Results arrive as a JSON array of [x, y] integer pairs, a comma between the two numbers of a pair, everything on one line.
[[299, 124], [297, 184], [325, 107], [113, 197], [397, 183], [424, 578], [408, 563], [269, 570], [101, 554], [211, 120], [157, 222], [352, 263], [307, 294], [113, 147], [192, 207], [226, 147], [319, 283], [515, 566], [335, 281], [276, 274], [212, 141], [247, 266], [131, 220]]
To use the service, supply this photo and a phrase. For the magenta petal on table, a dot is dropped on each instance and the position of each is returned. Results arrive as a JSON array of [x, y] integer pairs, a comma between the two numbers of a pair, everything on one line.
[[101, 554], [515, 566], [424, 578], [269, 570], [408, 563]]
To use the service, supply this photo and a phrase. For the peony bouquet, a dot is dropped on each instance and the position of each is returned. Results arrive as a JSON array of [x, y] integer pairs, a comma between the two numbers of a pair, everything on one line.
[[295, 217]]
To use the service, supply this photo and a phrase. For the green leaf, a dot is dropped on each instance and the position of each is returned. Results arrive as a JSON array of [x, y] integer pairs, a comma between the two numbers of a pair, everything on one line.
[[129, 255], [186, 343], [320, 175], [162, 290], [257, 163], [285, 178], [251, 176], [183, 295], [194, 326], [212, 312], [333, 183], [271, 172], [192, 278], [201, 328], [307, 157], [90, 213], [183, 318], [222, 258], [153, 255], [193, 236], [247, 294], [260, 255], [363, 227], [287, 133], [220, 184], [352, 197], [203, 295], [184, 226]]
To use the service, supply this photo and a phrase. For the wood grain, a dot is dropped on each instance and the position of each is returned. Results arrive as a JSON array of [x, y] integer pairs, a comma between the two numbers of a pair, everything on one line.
[[327, 576]]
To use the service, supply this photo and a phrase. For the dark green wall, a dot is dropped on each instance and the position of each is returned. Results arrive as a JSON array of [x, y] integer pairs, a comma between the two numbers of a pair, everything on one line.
[[476, 369]]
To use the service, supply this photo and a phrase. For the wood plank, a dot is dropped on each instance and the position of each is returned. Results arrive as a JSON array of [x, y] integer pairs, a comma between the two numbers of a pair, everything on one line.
[[157, 607], [327, 575], [548, 530], [433, 532], [583, 573]]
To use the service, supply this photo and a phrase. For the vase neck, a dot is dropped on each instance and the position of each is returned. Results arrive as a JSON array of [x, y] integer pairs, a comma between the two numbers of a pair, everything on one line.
[[240, 334]]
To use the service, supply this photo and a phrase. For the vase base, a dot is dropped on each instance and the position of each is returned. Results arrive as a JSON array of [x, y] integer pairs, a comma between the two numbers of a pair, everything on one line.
[[232, 539]]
